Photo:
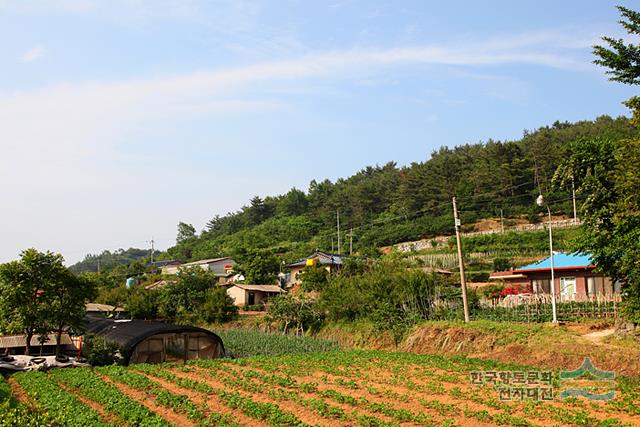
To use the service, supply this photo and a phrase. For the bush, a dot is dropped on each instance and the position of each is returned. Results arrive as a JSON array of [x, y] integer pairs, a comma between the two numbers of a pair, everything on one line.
[[100, 352], [297, 313], [254, 307], [314, 278], [143, 304], [501, 264], [218, 306], [477, 276]]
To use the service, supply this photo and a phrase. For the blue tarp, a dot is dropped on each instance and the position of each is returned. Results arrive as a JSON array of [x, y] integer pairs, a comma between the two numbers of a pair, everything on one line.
[[560, 260]]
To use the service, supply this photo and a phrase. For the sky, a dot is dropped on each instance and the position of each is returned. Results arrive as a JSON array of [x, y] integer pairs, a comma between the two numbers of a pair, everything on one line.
[[120, 118]]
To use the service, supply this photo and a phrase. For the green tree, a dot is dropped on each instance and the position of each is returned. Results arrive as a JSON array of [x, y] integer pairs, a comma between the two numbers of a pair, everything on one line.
[[314, 278], [67, 296], [623, 59], [185, 232], [181, 300], [259, 267], [293, 203], [39, 294], [607, 174], [143, 303], [297, 313], [218, 306]]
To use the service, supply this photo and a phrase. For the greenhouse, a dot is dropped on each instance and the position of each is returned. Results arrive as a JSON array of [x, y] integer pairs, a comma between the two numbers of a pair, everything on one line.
[[143, 341]]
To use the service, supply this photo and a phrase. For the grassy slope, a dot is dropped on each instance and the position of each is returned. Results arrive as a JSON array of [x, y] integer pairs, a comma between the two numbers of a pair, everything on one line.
[[558, 347]]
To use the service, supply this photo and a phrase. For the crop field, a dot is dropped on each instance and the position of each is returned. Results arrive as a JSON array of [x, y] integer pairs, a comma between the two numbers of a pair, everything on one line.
[[357, 388]]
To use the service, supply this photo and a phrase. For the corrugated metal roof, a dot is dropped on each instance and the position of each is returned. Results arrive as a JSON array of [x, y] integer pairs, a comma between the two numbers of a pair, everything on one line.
[[560, 261], [205, 261], [12, 341]]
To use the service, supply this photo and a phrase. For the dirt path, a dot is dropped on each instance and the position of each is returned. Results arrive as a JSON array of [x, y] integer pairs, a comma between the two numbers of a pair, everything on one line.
[[597, 336], [19, 393]]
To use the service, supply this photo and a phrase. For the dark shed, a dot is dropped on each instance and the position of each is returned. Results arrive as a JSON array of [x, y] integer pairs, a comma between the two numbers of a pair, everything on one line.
[[143, 341]]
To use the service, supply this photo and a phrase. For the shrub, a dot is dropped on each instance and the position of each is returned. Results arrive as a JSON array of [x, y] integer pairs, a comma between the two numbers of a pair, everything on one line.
[[143, 304], [314, 278], [100, 352], [501, 264], [218, 306], [298, 313]]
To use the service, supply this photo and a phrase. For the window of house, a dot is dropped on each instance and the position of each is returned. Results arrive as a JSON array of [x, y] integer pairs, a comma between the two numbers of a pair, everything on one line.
[[567, 287], [591, 286], [541, 286]]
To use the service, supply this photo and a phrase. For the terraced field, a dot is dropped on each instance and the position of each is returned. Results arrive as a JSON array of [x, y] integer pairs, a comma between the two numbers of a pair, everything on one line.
[[358, 388]]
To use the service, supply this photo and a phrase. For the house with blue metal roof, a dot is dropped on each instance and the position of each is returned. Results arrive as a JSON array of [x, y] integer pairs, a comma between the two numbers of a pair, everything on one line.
[[575, 275]]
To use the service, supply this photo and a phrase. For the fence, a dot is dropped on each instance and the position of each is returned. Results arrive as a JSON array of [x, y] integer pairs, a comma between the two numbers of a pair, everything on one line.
[[538, 308]]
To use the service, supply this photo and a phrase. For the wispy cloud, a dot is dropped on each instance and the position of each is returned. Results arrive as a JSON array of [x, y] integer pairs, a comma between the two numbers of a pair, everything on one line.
[[74, 113], [33, 54]]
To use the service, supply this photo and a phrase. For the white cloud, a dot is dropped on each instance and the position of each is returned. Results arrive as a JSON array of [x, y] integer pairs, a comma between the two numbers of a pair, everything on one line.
[[33, 54], [78, 120]]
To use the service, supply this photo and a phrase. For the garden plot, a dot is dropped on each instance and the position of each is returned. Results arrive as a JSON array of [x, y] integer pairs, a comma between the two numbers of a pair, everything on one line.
[[356, 388]]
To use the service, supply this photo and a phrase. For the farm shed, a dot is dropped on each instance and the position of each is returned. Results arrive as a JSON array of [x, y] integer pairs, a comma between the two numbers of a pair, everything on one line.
[[17, 344], [142, 341]]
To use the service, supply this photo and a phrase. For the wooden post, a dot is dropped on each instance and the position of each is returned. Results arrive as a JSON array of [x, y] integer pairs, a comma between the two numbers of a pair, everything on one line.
[[463, 281]]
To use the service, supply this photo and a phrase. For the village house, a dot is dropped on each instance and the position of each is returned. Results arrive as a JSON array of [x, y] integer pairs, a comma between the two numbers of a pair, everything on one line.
[[245, 295], [331, 262], [222, 268], [575, 278]]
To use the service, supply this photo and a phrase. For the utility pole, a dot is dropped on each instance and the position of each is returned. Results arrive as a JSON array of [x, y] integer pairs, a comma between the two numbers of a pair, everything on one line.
[[463, 281], [331, 244], [501, 221], [351, 241], [541, 202], [152, 249], [338, 227], [575, 210]]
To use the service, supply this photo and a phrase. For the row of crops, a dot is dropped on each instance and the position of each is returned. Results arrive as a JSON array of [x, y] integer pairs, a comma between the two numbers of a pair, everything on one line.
[[359, 388], [250, 342]]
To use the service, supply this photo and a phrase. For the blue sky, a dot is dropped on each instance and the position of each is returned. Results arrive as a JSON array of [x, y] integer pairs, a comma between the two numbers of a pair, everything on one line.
[[120, 118]]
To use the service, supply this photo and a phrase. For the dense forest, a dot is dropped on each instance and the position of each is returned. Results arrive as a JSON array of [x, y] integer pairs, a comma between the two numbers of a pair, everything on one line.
[[386, 204]]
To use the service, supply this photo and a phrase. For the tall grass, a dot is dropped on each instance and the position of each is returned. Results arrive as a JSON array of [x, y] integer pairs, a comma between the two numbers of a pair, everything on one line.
[[247, 342]]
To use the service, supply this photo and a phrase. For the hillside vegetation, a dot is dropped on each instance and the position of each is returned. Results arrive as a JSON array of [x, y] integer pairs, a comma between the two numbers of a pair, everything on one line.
[[387, 204]]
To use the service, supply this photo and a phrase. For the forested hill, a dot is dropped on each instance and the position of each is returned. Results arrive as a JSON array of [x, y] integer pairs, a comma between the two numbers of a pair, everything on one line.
[[108, 260], [387, 204]]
